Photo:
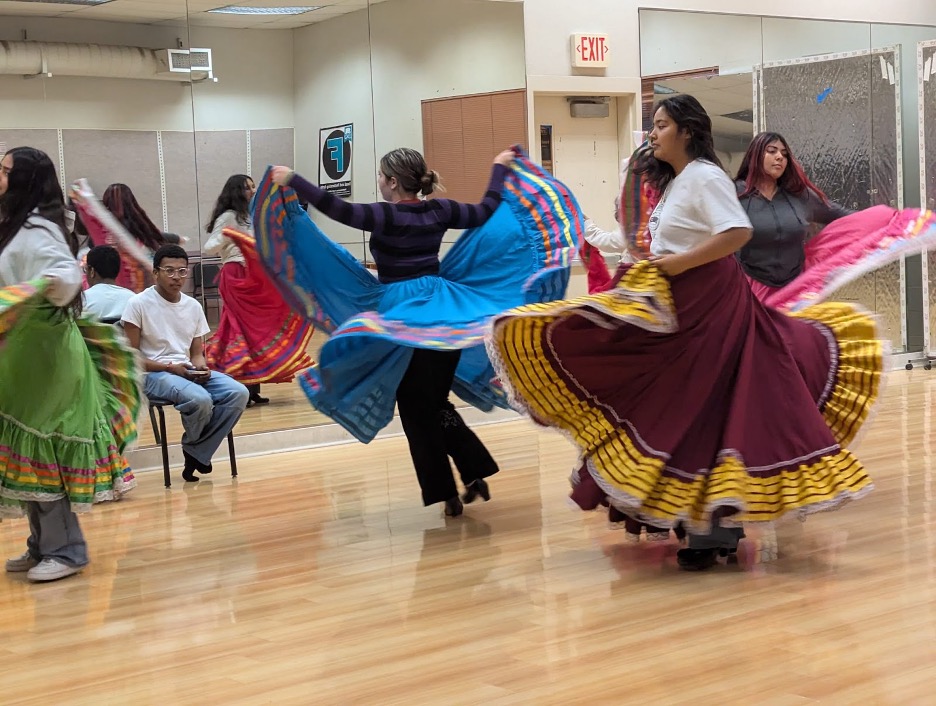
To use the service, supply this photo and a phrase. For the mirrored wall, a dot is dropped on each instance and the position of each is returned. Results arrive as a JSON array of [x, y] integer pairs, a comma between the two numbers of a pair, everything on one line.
[[172, 97], [850, 98]]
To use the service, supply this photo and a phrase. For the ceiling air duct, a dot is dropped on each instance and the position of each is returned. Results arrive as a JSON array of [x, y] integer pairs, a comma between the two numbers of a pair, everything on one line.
[[51, 59]]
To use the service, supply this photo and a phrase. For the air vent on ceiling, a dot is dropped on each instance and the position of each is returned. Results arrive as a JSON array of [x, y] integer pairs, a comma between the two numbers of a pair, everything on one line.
[[196, 62]]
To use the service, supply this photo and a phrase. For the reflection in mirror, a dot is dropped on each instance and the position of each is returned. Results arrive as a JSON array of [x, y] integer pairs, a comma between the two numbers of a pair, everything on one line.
[[276, 103], [916, 81], [695, 60], [259, 88], [842, 94], [277, 69], [93, 85]]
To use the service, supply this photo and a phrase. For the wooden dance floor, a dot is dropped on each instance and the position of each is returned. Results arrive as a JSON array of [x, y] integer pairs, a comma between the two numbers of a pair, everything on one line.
[[318, 578]]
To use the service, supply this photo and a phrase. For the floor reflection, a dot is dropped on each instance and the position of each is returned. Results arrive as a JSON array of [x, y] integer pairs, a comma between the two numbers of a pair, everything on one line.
[[318, 577]]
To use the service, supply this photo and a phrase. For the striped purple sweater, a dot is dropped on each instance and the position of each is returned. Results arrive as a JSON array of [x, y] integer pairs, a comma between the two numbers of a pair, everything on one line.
[[406, 236]]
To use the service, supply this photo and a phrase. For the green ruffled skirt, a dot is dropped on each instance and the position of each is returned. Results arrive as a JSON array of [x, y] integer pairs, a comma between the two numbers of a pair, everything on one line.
[[69, 396]]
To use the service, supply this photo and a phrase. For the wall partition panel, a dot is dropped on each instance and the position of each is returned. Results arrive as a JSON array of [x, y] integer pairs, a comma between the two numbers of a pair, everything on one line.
[[926, 77], [841, 115], [270, 147], [178, 158], [218, 155], [45, 140], [106, 157]]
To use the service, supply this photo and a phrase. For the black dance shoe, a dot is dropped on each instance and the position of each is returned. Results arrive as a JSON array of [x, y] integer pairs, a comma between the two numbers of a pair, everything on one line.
[[476, 488], [454, 507], [696, 559]]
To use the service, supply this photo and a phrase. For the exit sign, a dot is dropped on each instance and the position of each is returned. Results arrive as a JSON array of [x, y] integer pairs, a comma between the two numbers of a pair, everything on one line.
[[589, 51]]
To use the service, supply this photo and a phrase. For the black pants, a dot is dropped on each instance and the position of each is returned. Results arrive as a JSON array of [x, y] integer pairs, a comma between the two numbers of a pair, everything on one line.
[[435, 430]]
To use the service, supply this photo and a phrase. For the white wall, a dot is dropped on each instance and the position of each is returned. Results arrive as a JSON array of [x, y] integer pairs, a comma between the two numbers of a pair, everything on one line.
[[418, 50], [255, 79], [249, 93], [685, 41], [549, 23], [671, 42], [332, 86], [425, 49], [585, 156]]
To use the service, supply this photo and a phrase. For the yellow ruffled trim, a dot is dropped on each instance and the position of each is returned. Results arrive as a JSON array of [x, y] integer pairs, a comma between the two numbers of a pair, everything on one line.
[[859, 372], [822, 484], [642, 297]]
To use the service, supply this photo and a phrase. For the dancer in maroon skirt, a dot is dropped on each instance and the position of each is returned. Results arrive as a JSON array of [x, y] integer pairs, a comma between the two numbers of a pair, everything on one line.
[[689, 401]]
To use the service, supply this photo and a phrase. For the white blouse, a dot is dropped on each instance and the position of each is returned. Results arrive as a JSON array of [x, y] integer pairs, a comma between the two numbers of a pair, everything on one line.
[[38, 250], [607, 241], [699, 203], [220, 243]]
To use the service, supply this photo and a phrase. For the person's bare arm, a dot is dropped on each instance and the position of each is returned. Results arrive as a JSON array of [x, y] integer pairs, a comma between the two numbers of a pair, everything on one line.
[[718, 207], [197, 354], [714, 248]]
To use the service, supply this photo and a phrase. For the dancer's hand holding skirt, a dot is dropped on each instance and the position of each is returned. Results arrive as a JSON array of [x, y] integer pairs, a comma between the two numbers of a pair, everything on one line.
[[690, 401], [520, 255]]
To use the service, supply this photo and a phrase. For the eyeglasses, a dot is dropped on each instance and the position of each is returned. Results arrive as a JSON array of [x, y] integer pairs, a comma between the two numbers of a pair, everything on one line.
[[175, 271]]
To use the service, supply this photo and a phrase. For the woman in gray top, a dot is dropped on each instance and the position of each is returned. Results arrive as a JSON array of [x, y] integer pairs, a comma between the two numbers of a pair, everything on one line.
[[782, 204]]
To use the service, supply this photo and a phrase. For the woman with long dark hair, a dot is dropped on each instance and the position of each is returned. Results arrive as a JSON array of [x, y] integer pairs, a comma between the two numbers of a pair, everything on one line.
[[259, 339], [787, 263], [690, 402], [68, 388], [123, 205], [783, 204]]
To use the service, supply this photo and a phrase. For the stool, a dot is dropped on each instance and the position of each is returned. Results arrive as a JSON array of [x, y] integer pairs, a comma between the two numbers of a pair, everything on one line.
[[159, 431]]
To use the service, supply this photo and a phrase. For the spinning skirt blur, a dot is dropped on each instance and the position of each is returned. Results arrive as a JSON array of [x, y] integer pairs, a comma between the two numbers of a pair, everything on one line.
[[690, 401], [520, 256]]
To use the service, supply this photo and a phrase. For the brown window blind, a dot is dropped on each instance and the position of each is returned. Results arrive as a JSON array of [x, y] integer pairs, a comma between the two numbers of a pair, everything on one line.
[[462, 135]]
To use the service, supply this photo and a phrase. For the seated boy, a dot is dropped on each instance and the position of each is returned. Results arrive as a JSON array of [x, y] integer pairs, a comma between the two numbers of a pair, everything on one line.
[[104, 299], [168, 327]]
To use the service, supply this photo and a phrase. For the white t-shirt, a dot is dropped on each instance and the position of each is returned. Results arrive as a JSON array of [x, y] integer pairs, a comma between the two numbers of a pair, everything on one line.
[[166, 329], [699, 203], [40, 250], [106, 301]]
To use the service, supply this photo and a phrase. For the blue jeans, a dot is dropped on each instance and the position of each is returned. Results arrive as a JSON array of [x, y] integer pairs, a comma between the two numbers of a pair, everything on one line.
[[209, 411]]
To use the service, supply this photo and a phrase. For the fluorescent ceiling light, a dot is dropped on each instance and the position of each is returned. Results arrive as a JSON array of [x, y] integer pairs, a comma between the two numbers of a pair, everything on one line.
[[68, 2], [239, 10]]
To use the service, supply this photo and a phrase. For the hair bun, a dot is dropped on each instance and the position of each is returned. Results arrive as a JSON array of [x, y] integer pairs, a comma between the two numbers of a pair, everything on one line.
[[429, 182]]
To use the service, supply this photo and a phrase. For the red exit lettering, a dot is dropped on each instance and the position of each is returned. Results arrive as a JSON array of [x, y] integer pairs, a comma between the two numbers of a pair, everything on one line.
[[591, 49]]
